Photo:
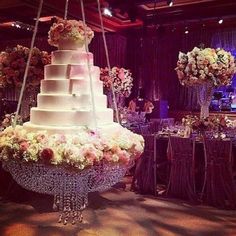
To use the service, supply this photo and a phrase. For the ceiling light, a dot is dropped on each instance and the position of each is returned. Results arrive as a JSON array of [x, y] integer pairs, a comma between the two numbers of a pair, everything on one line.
[[21, 25], [45, 18], [107, 12], [170, 3], [220, 21]]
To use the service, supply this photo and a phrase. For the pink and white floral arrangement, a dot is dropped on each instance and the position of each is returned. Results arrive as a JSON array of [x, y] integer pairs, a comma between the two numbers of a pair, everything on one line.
[[217, 122], [121, 78], [69, 30], [13, 62], [201, 65], [80, 151], [8, 120]]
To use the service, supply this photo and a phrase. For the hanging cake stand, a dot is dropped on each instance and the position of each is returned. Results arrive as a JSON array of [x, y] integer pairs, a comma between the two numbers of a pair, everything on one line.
[[69, 187]]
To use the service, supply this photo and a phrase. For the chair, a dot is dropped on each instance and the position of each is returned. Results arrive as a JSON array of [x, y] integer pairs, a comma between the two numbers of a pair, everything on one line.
[[154, 126], [218, 188], [144, 129], [135, 129], [161, 163], [166, 122], [143, 176], [181, 181]]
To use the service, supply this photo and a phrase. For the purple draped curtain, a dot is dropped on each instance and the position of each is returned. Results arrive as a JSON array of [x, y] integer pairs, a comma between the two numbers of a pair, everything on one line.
[[40, 42], [152, 59], [116, 44], [116, 47]]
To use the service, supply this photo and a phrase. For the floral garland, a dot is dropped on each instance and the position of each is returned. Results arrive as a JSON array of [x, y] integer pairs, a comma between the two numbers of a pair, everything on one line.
[[69, 30], [13, 62], [201, 65], [121, 78], [80, 151]]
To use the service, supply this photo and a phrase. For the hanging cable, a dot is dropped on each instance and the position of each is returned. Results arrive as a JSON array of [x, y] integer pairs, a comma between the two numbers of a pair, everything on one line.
[[28, 63], [66, 9], [89, 66], [108, 61]]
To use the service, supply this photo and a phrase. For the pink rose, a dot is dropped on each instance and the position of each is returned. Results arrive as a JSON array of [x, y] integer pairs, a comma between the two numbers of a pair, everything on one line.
[[47, 155], [34, 61], [123, 156], [121, 74], [107, 156], [90, 155], [61, 139], [68, 27], [24, 146], [59, 27], [41, 138], [45, 60], [14, 64]]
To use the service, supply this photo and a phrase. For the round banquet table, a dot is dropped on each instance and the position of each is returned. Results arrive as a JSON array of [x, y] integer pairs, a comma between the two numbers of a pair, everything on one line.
[[143, 180]]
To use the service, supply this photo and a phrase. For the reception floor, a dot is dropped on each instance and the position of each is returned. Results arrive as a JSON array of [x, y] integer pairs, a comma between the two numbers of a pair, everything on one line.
[[117, 212]]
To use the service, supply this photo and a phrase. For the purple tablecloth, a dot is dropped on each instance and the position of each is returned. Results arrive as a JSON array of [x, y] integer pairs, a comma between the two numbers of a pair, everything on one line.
[[144, 172]]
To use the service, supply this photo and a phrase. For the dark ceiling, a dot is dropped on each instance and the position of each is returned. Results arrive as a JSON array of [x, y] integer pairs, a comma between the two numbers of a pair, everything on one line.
[[127, 14]]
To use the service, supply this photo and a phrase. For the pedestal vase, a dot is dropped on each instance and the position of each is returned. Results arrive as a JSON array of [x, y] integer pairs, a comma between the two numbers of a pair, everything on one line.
[[204, 94]]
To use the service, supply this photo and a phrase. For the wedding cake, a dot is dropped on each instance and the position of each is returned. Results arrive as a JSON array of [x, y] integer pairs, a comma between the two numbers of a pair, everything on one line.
[[65, 129], [64, 103]]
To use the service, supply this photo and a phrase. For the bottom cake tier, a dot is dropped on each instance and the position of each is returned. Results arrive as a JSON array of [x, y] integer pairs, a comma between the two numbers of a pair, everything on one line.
[[67, 129]]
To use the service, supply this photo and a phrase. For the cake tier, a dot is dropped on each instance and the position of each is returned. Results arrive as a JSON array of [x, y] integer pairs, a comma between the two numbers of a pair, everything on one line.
[[73, 86], [68, 101], [71, 57], [69, 117], [65, 71], [68, 129]]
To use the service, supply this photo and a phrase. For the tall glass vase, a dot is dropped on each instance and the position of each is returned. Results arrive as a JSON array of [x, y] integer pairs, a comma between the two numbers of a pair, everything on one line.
[[120, 100], [204, 94], [29, 100]]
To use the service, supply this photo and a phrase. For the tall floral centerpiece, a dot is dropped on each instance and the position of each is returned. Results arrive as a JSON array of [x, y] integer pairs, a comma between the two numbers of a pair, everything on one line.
[[12, 68], [205, 69], [13, 63], [122, 83]]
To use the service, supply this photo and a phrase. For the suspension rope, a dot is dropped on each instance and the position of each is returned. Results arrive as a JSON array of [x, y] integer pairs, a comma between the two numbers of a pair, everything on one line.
[[66, 9], [89, 66], [108, 62], [28, 63]]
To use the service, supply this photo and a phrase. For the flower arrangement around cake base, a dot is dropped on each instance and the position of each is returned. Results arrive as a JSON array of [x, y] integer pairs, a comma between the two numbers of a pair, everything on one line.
[[79, 151]]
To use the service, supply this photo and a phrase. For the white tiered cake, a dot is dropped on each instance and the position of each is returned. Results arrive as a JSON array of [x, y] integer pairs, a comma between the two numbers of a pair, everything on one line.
[[65, 103], [61, 128]]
